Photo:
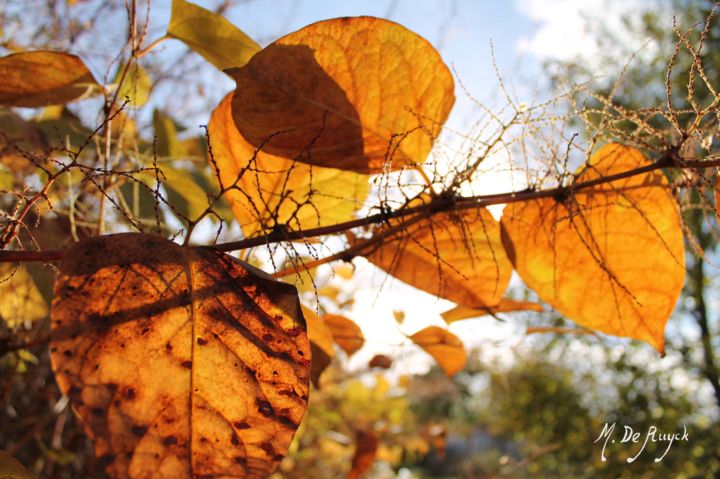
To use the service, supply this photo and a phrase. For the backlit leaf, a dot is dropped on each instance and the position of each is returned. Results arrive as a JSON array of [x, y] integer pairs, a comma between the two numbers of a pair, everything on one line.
[[19, 136], [10, 468], [456, 256], [211, 35], [613, 259], [41, 78], [362, 94], [321, 343], [167, 143], [506, 305], [366, 444], [444, 346], [346, 333], [275, 191], [20, 298], [136, 85], [181, 362]]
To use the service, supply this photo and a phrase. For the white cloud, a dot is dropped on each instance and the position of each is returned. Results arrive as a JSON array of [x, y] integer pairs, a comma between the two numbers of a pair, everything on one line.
[[569, 30]]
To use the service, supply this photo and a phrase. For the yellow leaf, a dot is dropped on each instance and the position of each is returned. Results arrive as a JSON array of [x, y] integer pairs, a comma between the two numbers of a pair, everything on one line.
[[444, 346], [506, 305], [362, 94], [181, 362], [20, 298], [136, 85], [457, 256], [167, 144], [346, 333], [321, 342], [344, 270], [10, 468], [42, 78], [613, 259], [211, 35], [274, 191]]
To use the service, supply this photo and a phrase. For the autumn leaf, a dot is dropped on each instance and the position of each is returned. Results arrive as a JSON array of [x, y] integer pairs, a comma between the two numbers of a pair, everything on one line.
[[20, 299], [321, 344], [275, 191], [211, 35], [362, 94], [457, 256], [380, 361], [20, 137], [181, 362], [366, 444], [611, 258], [443, 346], [10, 468], [506, 305], [716, 196], [42, 78], [346, 333], [135, 86]]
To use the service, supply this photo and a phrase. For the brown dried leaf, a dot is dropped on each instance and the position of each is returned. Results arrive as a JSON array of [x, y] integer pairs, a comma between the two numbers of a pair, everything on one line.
[[506, 305], [42, 78], [362, 94], [612, 259], [346, 333], [456, 256], [444, 346], [181, 362], [380, 361], [366, 444], [276, 191]]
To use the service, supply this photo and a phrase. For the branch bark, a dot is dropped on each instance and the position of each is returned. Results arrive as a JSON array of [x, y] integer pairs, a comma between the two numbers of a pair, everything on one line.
[[444, 202]]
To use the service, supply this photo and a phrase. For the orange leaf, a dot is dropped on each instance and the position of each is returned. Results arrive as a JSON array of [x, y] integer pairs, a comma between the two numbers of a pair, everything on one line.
[[346, 333], [181, 362], [276, 191], [41, 78], [380, 361], [444, 346], [362, 94], [613, 259], [457, 256], [366, 444], [321, 344], [506, 305], [716, 195]]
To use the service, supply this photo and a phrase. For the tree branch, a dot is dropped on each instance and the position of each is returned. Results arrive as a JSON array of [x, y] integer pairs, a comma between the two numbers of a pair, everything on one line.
[[444, 202]]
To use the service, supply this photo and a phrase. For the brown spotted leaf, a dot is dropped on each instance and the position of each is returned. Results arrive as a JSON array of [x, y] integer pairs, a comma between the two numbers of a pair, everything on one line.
[[457, 256], [181, 362], [42, 78], [444, 346], [272, 190], [362, 94], [346, 333], [611, 258]]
